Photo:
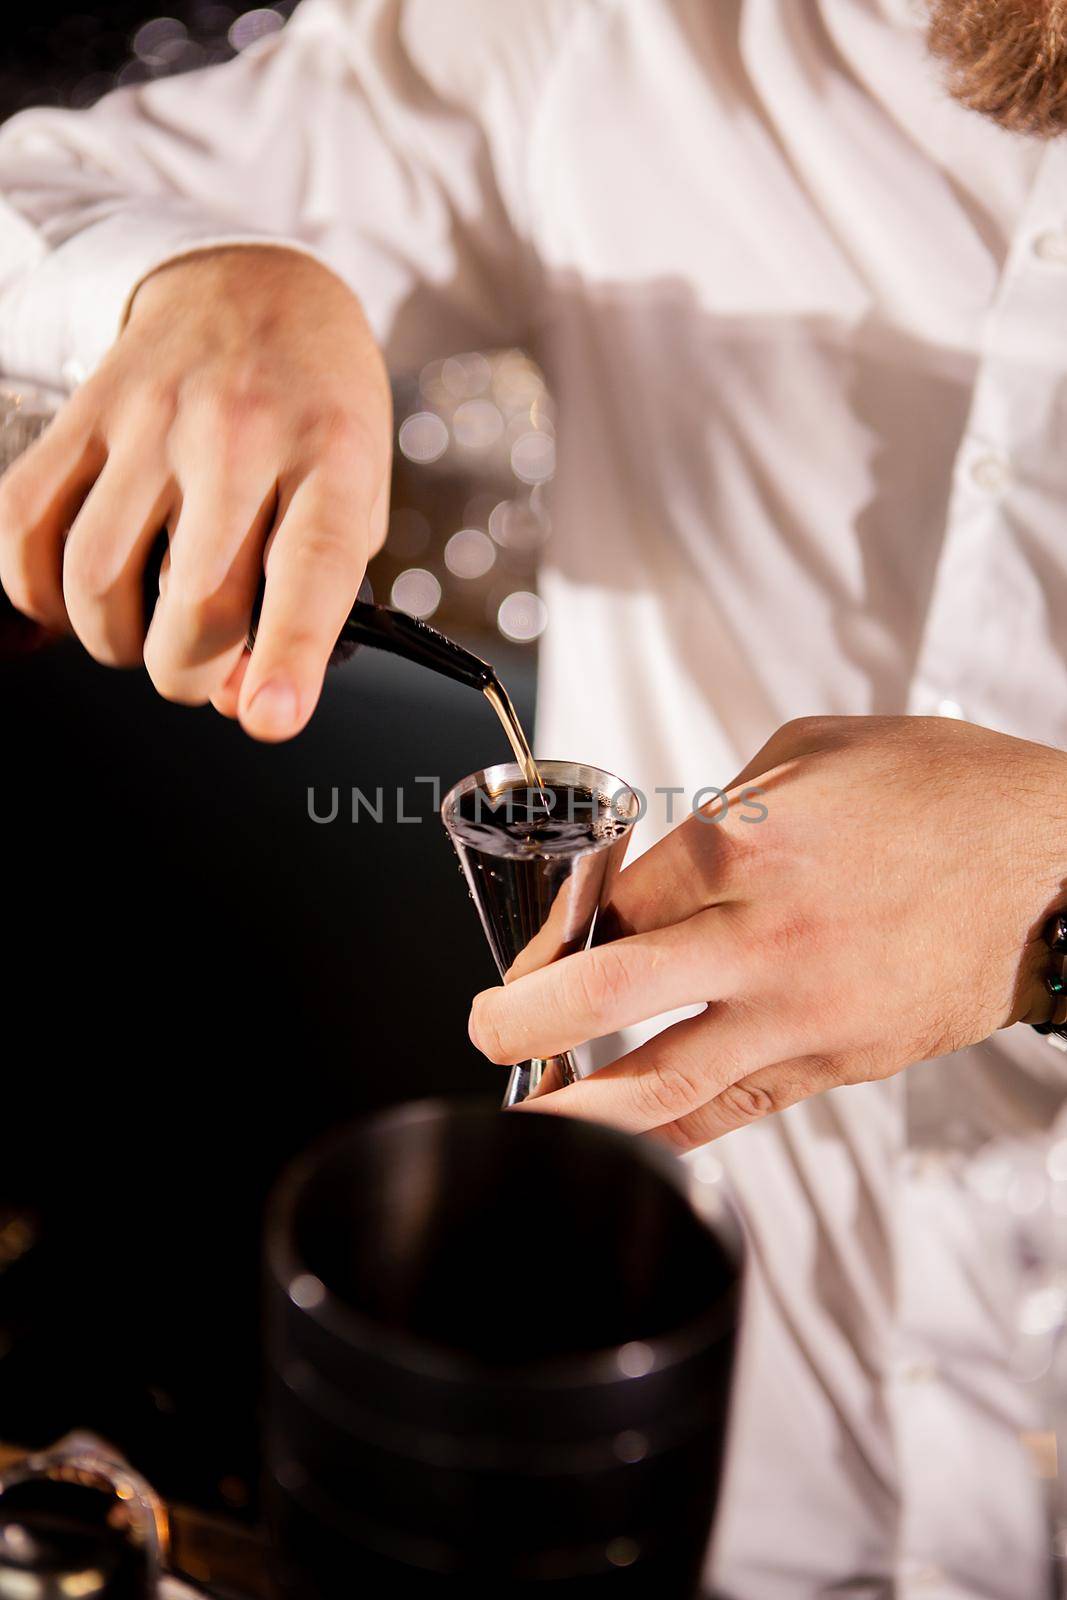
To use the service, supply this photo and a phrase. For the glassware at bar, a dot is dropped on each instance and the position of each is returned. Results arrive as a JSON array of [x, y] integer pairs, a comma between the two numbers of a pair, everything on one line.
[[537, 903], [76, 1520]]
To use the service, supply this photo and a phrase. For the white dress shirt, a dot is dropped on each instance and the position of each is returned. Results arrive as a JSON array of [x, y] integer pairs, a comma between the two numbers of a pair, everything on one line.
[[806, 322]]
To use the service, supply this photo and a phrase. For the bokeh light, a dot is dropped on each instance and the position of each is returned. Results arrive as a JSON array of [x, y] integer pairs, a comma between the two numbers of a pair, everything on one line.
[[469, 553], [417, 592], [254, 25], [516, 381], [515, 526], [533, 457], [522, 617], [157, 42], [477, 424], [465, 375], [423, 437]]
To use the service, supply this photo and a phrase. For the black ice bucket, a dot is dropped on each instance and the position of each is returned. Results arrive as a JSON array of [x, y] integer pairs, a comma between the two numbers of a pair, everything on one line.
[[499, 1357]]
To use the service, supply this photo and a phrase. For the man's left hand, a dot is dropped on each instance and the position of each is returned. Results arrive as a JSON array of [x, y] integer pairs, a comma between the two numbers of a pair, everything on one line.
[[887, 909]]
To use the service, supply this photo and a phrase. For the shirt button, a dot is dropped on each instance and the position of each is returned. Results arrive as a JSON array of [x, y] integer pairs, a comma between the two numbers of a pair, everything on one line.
[[1052, 246], [990, 471]]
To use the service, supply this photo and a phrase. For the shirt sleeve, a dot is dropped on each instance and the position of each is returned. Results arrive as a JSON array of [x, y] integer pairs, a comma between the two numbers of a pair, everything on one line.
[[388, 138]]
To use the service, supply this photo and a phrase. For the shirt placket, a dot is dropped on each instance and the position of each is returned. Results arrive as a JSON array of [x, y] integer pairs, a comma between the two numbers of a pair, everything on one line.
[[992, 649], [992, 652]]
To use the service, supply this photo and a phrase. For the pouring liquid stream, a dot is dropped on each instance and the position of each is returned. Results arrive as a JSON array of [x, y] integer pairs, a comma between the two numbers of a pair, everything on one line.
[[500, 701], [415, 640]]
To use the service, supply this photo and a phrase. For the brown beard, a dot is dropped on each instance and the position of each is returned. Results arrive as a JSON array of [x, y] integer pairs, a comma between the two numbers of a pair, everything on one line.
[[1006, 59]]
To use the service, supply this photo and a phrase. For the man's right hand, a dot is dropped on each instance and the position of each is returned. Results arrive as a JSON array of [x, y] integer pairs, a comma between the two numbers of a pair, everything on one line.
[[245, 408]]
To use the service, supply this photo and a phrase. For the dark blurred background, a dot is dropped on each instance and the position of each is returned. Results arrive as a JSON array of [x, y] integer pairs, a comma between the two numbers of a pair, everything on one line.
[[58, 55], [198, 977]]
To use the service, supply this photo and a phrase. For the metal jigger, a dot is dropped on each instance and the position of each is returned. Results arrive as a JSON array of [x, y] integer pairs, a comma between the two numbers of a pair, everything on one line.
[[536, 906]]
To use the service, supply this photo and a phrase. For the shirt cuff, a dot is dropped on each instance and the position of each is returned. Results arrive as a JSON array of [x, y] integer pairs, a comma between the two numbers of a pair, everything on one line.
[[67, 308]]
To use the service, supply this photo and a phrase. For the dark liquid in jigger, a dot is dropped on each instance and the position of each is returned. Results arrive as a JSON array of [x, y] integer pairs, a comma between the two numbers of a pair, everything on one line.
[[531, 821], [519, 849]]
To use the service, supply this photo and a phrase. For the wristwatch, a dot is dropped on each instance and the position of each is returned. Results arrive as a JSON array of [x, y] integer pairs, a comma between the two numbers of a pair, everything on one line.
[[1054, 934]]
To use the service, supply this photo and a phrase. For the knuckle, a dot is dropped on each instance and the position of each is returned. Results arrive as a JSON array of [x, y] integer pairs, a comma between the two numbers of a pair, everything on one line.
[[325, 544], [340, 431], [793, 933], [668, 1090], [170, 683], [112, 647], [241, 408], [155, 399], [748, 1102], [600, 981], [328, 548], [27, 587], [31, 595], [826, 1071], [348, 449]]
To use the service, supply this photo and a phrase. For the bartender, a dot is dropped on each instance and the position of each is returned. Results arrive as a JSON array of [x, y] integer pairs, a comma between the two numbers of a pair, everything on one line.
[[797, 273]]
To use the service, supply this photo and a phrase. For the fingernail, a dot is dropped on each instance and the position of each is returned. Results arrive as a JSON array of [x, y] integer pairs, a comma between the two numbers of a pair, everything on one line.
[[272, 709]]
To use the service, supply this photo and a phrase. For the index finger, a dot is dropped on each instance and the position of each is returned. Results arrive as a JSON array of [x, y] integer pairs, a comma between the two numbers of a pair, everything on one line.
[[314, 565], [593, 992]]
